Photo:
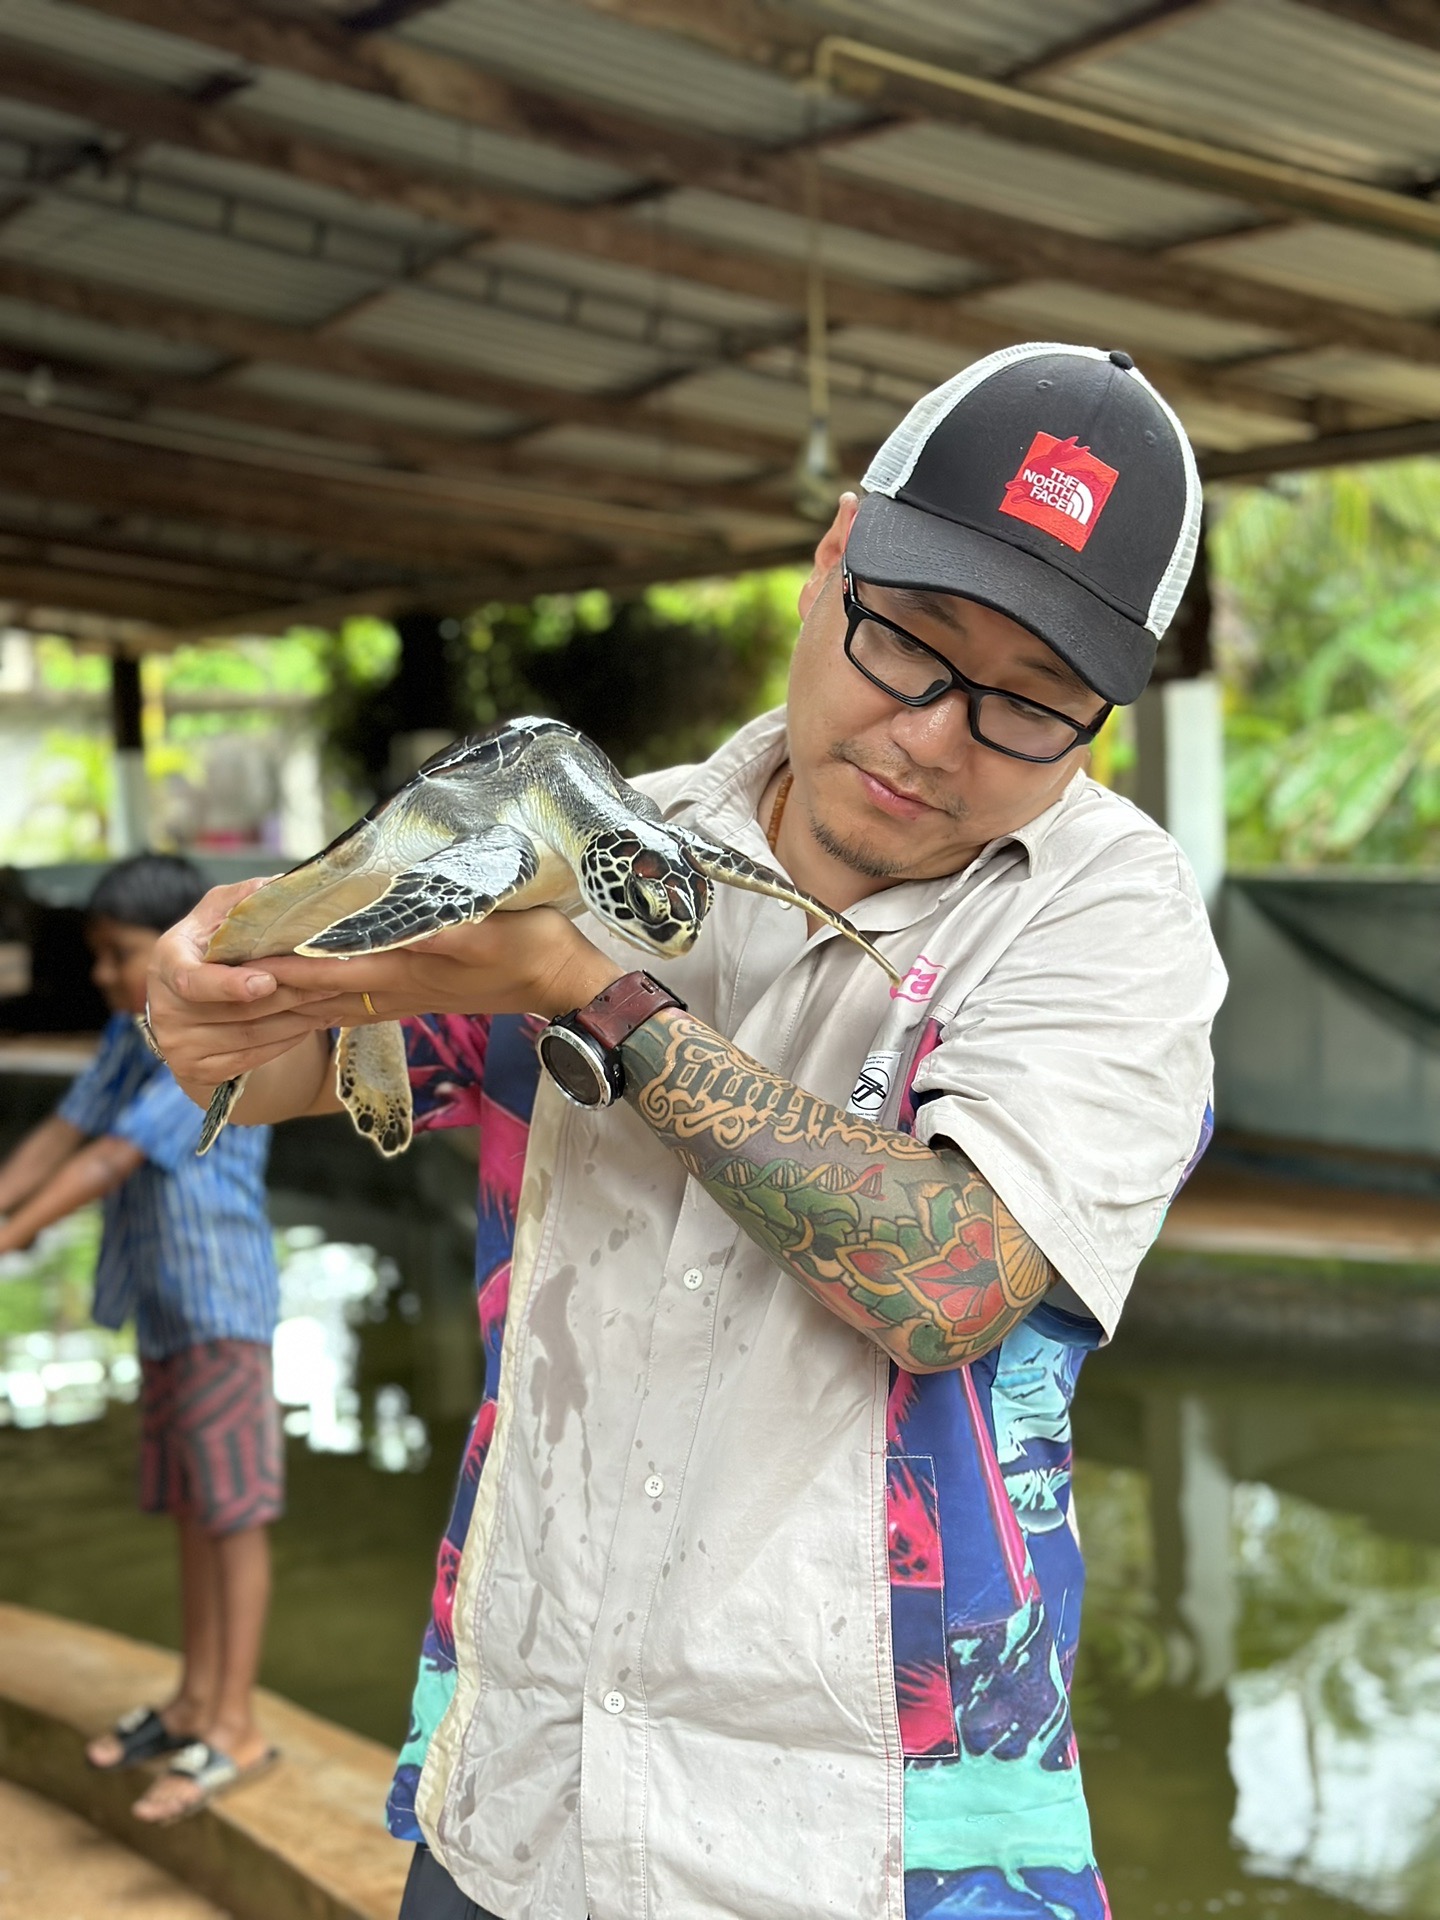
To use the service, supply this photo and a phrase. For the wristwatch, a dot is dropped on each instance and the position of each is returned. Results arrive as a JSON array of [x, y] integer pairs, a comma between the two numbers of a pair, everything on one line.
[[581, 1050]]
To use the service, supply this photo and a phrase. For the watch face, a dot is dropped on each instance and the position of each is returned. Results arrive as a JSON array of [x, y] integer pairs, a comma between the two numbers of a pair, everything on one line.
[[576, 1065]]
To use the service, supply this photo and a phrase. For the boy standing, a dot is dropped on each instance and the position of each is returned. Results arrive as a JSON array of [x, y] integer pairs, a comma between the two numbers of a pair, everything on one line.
[[186, 1249]]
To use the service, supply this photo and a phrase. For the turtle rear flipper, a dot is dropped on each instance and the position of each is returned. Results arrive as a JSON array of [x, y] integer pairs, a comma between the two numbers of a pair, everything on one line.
[[372, 1079], [222, 1104], [725, 865], [464, 882]]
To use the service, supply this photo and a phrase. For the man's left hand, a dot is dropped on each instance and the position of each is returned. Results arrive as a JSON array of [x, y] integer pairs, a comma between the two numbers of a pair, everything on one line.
[[533, 961]]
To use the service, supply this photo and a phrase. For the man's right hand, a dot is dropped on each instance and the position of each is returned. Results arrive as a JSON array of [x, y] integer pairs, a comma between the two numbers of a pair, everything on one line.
[[214, 1022]]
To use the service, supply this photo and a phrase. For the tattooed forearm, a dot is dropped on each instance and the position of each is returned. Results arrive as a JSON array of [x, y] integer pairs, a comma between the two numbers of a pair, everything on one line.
[[905, 1243]]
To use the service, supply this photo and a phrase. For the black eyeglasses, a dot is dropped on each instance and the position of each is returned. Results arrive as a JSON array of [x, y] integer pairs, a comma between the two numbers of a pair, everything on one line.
[[909, 671]]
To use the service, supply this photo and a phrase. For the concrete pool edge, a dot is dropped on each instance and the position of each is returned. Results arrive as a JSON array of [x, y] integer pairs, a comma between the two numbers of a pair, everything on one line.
[[305, 1842], [1188, 1305]]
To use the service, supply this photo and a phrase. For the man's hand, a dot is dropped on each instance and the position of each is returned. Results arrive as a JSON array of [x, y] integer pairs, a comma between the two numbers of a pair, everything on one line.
[[214, 1022], [534, 961]]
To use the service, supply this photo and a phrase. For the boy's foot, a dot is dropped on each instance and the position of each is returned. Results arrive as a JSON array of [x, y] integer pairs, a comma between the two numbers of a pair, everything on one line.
[[200, 1772], [145, 1733]]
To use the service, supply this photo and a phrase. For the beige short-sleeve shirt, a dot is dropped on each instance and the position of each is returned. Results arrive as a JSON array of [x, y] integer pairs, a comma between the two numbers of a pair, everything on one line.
[[674, 1695]]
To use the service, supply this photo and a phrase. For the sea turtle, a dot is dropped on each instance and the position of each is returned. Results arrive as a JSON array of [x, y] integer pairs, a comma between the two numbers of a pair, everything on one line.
[[530, 814]]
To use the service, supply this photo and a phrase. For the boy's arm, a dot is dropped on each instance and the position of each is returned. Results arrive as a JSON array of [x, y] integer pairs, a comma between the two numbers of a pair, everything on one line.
[[41, 1153], [89, 1174]]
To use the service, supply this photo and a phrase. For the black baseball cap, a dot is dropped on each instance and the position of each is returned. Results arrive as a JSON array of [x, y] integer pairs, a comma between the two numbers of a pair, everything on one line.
[[1053, 484]]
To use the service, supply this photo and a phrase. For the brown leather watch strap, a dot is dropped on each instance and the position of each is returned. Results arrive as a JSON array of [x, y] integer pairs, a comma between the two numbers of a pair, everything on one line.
[[627, 1003]]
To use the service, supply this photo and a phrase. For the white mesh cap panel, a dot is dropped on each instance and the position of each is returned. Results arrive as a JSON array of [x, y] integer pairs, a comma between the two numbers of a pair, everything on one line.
[[1172, 582], [895, 462]]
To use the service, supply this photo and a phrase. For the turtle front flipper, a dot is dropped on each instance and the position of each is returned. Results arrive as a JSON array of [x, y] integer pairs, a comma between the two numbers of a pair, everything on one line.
[[222, 1105], [725, 865], [372, 1078], [464, 882]]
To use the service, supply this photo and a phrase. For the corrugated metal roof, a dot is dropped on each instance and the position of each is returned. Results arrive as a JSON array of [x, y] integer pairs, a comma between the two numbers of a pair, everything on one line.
[[986, 36], [739, 396], [1212, 425], [717, 217], [1333, 263], [267, 186], [1396, 387], [857, 366], [215, 427], [112, 47], [44, 330], [646, 289], [1091, 317], [372, 124], [39, 125], [97, 241], [435, 326], [659, 76], [1034, 183], [648, 455], [1279, 79], [399, 406]]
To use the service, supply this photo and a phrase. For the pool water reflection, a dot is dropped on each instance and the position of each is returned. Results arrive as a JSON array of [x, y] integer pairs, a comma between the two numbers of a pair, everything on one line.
[[1258, 1691], [1258, 1694]]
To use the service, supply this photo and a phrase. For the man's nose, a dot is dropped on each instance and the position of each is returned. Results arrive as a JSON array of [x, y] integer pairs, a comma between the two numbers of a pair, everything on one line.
[[937, 736]]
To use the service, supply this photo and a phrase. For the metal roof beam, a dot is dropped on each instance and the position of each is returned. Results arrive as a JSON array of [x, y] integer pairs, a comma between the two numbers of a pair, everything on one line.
[[1329, 450]]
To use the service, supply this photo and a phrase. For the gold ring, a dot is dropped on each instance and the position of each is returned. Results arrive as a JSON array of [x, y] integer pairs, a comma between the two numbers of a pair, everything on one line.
[[369, 1005]]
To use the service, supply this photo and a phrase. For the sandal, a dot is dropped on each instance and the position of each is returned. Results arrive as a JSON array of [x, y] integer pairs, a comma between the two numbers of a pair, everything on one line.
[[213, 1772], [143, 1735]]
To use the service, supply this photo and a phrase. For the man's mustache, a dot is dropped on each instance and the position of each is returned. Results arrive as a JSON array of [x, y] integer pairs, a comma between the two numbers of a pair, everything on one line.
[[905, 777]]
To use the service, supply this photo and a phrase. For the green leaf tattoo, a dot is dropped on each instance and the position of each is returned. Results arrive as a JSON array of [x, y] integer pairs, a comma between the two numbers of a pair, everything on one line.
[[905, 1243]]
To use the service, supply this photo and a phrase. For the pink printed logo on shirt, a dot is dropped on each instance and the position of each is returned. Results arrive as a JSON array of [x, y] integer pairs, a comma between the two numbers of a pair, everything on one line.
[[919, 983]]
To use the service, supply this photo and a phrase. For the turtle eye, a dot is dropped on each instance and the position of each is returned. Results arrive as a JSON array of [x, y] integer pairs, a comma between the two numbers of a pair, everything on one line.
[[648, 899]]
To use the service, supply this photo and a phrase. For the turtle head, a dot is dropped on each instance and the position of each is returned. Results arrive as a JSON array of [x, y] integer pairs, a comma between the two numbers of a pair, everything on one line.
[[646, 892]]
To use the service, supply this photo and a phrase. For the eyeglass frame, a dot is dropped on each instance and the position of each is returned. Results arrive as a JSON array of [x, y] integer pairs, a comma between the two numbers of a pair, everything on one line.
[[974, 690]]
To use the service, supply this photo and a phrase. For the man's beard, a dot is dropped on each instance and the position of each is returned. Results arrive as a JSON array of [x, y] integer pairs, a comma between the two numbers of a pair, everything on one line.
[[860, 856]]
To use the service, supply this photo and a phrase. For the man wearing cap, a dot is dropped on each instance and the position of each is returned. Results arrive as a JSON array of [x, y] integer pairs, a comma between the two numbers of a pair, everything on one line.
[[764, 1600]]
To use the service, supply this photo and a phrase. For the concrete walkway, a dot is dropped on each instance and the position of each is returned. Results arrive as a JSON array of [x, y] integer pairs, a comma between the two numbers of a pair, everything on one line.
[[56, 1866], [306, 1841]]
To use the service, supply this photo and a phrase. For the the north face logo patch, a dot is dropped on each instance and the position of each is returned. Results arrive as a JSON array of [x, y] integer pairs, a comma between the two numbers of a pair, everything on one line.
[[1061, 488]]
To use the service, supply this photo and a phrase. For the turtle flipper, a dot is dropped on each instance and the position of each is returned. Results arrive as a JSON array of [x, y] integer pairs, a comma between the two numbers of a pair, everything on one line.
[[372, 1079], [222, 1104], [464, 882], [725, 865]]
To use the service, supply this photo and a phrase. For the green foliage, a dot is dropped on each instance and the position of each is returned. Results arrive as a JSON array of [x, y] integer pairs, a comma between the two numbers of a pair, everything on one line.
[[656, 680], [1330, 646]]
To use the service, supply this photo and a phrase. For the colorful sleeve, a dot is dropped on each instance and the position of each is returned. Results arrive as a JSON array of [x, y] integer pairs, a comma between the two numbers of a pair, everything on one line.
[[162, 1121], [93, 1098], [446, 1056]]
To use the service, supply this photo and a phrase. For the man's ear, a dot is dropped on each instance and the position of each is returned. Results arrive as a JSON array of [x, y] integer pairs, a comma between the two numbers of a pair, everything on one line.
[[829, 551]]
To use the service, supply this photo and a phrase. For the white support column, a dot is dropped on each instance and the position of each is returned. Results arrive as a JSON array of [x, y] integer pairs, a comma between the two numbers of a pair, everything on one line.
[[1180, 771]]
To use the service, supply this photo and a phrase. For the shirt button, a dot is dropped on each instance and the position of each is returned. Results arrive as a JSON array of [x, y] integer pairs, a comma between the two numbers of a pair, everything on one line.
[[654, 1486], [613, 1702], [694, 1278]]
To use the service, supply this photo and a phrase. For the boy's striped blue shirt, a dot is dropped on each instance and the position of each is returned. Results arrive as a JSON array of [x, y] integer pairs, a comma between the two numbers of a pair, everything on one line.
[[186, 1246]]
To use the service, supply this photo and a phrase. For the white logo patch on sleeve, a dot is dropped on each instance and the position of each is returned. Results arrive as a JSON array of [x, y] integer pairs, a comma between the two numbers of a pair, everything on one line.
[[872, 1087]]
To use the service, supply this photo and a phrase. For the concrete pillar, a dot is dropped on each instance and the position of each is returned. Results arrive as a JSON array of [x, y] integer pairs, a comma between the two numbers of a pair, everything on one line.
[[130, 811], [1179, 738], [1190, 1521], [1180, 771]]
